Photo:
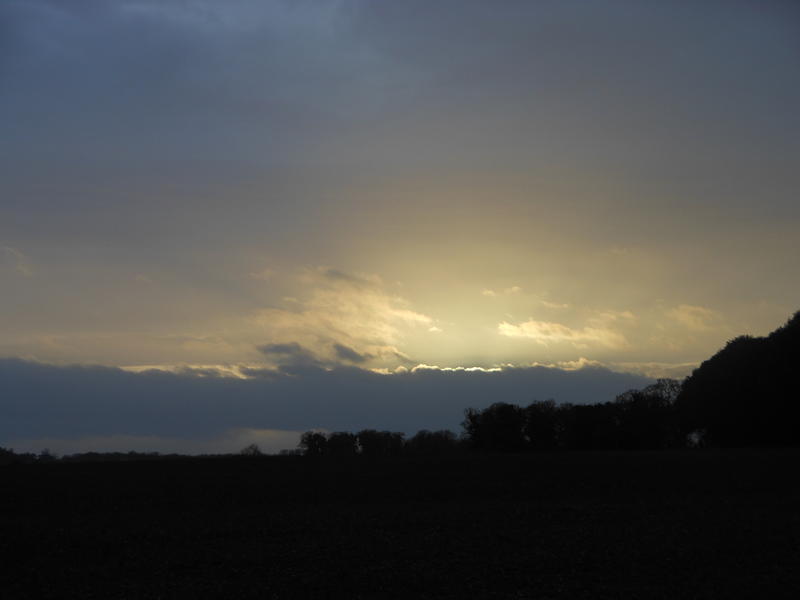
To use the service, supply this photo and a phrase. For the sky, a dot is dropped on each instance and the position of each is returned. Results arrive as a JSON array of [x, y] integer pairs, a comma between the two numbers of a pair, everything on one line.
[[266, 200]]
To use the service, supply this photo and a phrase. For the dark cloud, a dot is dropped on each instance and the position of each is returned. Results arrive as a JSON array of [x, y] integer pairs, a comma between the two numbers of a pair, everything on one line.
[[291, 356], [676, 90], [337, 275], [471, 80], [291, 349], [349, 355], [259, 372], [45, 401], [200, 372]]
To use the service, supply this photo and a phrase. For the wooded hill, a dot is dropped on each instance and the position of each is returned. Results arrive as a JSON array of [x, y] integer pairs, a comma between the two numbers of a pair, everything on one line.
[[747, 393]]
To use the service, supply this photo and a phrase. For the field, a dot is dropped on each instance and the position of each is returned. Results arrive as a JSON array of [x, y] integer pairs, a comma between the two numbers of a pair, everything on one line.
[[699, 524]]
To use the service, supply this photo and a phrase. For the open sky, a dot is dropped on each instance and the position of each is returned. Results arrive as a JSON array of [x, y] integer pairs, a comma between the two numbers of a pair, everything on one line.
[[571, 196]]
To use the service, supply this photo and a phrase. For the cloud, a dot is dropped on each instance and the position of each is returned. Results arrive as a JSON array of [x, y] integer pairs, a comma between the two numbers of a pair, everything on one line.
[[289, 356], [514, 289], [424, 367], [573, 365], [349, 355], [17, 261], [656, 369], [264, 274], [653, 369], [47, 402], [345, 318], [245, 66], [695, 318], [337, 275], [554, 305], [547, 332]]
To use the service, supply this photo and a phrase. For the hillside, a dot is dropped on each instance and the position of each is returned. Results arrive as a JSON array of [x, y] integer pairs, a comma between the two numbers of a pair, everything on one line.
[[746, 394]]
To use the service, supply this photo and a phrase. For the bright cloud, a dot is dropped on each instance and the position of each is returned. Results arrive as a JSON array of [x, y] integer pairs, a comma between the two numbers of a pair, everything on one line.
[[554, 305], [345, 311], [514, 289], [580, 363], [695, 318], [547, 332], [424, 367]]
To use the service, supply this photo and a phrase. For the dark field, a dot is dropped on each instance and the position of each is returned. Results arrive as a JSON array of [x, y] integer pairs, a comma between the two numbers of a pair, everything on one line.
[[702, 524]]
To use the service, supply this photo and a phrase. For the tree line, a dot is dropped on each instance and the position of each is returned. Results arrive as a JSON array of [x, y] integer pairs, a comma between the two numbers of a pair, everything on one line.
[[379, 444], [637, 419]]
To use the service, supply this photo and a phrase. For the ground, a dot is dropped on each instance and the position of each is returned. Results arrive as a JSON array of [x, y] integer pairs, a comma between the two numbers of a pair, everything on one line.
[[678, 524]]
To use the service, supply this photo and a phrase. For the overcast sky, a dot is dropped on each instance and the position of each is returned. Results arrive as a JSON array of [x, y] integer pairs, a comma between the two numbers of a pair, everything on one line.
[[354, 186]]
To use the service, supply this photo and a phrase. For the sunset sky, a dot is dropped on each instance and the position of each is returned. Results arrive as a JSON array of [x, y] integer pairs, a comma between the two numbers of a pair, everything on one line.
[[299, 193]]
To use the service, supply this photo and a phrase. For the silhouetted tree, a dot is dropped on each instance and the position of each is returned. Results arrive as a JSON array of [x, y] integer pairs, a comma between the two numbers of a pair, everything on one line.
[[541, 425], [45, 456], [314, 443], [592, 427], [498, 427], [647, 418], [380, 443], [342, 443], [746, 394], [290, 452], [432, 442], [251, 450], [7, 456]]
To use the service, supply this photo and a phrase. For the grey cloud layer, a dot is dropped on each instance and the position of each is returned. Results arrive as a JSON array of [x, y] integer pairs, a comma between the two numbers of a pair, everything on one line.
[[249, 81], [691, 104], [45, 401]]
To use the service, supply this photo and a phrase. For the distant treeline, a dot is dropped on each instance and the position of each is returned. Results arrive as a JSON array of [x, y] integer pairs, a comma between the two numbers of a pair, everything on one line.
[[370, 442], [638, 419], [8, 457]]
